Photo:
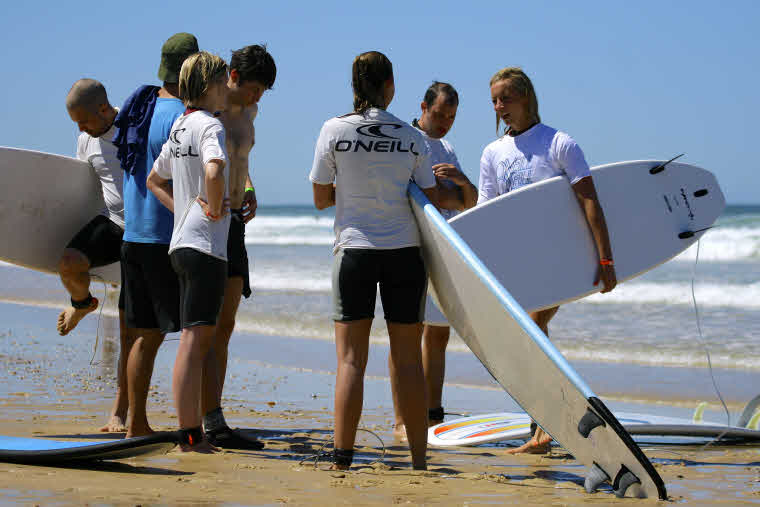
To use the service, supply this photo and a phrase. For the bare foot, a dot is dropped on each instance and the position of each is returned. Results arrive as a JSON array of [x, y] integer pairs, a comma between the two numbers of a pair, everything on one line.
[[335, 466], [116, 424], [536, 445], [139, 432], [202, 447], [399, 431], [70, 317]]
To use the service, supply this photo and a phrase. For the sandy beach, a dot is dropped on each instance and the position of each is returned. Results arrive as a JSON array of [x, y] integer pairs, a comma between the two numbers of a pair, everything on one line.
[[49, 389]]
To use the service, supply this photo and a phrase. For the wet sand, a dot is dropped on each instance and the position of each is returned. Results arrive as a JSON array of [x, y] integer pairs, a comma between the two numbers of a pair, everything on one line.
[[282, 389]]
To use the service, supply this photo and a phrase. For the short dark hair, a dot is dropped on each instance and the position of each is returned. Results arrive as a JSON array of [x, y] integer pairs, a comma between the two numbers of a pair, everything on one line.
[[437, 88], [254, 63]]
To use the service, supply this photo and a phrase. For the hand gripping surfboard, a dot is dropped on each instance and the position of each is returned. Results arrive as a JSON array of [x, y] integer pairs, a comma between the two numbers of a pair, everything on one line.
[[526, 364]]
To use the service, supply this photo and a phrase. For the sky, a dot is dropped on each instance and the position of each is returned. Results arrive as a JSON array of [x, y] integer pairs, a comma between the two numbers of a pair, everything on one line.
[[627, 80]]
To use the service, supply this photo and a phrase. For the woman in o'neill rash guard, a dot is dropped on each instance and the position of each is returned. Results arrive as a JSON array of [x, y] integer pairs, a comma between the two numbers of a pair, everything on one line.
[[195, 159], [362, 164], [529, 152]]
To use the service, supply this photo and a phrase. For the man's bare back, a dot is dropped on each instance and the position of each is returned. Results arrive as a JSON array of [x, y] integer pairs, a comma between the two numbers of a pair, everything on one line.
[[238, 124]]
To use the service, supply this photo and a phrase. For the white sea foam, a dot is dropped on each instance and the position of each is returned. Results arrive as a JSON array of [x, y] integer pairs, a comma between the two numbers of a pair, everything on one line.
[[304, 281], [726, 245], [712, 295], [290, 230]]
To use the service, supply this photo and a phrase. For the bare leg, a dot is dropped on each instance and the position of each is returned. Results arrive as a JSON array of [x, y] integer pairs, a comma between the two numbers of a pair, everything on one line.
[[540, 442], [194, 345], [74, 271], [352, 348], [408, 378], [118, 420], [434, 342], [215, 365], [139, 371]]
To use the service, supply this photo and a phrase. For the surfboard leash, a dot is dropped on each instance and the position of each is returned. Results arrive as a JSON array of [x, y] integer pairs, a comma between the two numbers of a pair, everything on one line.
[[321, 453], [707, 352], [100, 314]]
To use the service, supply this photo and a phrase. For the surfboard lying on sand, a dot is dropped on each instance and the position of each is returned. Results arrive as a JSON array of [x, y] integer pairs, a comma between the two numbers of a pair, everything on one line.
[[526, 364], [488, 428], [42, 451], [45, 200], [537, 243]]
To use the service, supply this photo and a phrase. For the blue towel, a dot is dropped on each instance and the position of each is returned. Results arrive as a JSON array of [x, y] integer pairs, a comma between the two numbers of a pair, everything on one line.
[[132, 126]]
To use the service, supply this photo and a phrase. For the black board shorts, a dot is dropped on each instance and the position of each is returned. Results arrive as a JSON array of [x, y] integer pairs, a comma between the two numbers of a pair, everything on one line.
[[202, 279], [151, 288], [400, 273], [237, 256], [99, 241]]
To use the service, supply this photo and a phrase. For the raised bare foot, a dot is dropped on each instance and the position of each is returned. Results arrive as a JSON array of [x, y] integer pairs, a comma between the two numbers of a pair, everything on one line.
[[202, 447], [70, 317]]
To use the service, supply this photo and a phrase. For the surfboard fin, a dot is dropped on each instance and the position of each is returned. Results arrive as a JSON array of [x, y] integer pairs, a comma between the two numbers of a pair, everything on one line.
[[595, 478], [661, 167], [588, 422], [747, 413], [699, 412], [624, 480]]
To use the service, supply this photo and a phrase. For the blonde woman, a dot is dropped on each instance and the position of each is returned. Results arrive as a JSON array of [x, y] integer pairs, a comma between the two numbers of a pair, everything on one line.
[[529, 152], [194, 158]]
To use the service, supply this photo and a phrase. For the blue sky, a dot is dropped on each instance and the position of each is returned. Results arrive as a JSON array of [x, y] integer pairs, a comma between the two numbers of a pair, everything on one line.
[[628, 80]]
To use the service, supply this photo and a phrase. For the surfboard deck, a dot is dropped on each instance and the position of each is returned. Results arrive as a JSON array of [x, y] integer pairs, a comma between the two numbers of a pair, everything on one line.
[[45, 200], [42, 451], [526, 364], [498, 427], [536, 240]]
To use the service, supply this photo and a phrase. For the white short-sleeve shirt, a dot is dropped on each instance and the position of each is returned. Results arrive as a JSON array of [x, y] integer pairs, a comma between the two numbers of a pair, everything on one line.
[[196, 138], [539, 153], [371, 157], [100, 153], [441, 152]]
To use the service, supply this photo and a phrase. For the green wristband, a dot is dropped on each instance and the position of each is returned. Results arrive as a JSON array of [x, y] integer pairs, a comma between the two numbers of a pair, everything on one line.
[[249, 188]]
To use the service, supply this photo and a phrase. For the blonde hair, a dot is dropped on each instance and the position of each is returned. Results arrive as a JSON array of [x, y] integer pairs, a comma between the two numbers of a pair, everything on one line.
[[369, 73], [198, 72], [519, 82]]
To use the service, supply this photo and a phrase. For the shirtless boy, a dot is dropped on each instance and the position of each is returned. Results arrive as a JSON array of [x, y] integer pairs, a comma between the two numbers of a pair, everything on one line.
[[99, 242], [252, 72]]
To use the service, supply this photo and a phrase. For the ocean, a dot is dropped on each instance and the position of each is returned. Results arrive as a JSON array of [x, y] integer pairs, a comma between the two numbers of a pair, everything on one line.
[[649, 320]]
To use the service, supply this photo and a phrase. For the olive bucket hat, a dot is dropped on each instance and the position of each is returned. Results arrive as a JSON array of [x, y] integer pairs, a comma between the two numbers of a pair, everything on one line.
[[174, 51]]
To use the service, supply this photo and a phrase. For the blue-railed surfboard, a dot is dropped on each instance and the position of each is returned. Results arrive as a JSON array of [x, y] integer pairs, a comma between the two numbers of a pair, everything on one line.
[[43, 451], [526, 364]]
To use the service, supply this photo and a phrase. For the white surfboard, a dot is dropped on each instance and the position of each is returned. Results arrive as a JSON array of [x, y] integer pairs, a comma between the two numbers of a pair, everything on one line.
[[488, 428], [45, 200], [537, 243], [526, 364]]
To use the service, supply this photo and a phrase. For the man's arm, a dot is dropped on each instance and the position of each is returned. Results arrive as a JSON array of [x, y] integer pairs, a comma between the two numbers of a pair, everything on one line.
[[161, 189], [324, 195], [465, 196], [250, 204]]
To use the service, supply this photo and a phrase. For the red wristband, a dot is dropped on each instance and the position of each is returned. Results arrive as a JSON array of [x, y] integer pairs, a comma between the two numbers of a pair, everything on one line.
[[607, 262], [212, 217]]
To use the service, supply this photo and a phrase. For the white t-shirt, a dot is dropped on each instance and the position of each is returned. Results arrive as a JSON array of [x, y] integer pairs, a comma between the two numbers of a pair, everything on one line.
[[441, 152], [539, 153], [195, 139], [371, 158], [100, 153]]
